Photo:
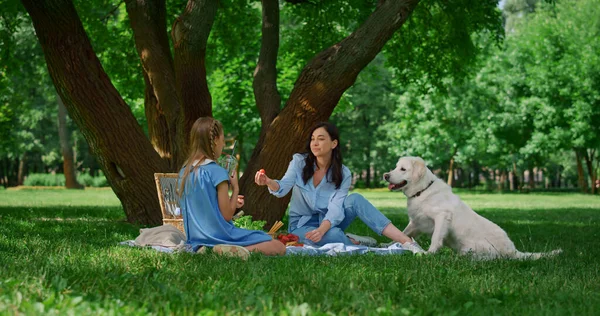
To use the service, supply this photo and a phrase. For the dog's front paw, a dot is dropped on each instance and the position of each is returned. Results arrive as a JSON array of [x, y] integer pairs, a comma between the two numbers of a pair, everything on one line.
[[431, 251]]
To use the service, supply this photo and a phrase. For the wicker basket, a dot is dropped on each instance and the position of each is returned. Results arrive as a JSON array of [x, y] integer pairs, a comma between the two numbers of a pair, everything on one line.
[[166, 185]]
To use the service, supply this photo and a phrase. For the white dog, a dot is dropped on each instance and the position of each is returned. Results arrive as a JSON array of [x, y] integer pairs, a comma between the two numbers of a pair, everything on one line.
[[434, 210]]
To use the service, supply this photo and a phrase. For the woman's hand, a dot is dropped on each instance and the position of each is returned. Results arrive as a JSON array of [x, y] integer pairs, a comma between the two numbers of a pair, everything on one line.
[[240, 201], [314, 235], [261, 178]]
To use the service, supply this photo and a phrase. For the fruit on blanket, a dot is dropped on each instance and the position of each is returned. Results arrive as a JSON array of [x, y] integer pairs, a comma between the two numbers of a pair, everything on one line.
[[288, 238]]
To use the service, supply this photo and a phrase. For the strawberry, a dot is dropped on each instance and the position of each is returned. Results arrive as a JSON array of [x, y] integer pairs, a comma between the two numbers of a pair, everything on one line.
[[262, 171]]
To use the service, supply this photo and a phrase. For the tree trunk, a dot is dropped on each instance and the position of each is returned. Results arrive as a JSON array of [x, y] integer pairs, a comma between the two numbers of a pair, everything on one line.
[[531, 178], [580, 173], [514, 178], [503, 177], [21, 171], [451, 173], [2, 173], [589, 161], [264, 85], [597, 184], [126, 156], [190, 33], [316, 93], [66, 149], [476, 174], [162, 105], [13, 172]]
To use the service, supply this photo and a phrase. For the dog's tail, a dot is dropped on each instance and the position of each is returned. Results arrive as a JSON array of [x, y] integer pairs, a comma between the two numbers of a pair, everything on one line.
[[536, 255]]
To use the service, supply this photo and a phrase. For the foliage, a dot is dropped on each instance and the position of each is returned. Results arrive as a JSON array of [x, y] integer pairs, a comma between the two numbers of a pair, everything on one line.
[[61, 259], [58, 179], [246, 222], [563, 72], [440, 40], [445, 87]]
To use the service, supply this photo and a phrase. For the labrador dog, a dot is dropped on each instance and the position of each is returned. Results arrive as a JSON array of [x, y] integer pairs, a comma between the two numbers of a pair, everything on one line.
[[434, 210]]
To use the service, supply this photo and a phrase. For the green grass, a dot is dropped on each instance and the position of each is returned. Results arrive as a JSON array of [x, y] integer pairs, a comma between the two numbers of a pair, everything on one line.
[[59, 254]]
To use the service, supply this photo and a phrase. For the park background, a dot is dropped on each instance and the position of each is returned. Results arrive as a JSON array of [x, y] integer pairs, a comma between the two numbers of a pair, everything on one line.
[[501, 100]]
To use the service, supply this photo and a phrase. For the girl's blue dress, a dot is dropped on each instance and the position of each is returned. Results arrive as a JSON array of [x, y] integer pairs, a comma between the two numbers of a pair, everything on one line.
[[202, 219]]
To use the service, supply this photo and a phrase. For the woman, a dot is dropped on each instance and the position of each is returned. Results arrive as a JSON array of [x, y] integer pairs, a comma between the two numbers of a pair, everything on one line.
[[320, 208]]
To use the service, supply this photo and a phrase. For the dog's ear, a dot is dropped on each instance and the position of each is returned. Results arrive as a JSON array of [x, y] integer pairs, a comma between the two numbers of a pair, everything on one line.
[[418, 169]]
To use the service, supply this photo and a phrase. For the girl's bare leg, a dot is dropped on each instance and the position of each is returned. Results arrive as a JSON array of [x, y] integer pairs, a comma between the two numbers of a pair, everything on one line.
[[269, 248]]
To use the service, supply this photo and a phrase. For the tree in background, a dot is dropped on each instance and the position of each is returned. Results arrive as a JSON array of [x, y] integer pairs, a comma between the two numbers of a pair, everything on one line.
[[176, 87], [557, 51]]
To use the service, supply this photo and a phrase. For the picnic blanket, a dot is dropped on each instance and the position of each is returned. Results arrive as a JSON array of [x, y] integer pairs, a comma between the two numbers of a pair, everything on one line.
[[332, 249], [168, 239]]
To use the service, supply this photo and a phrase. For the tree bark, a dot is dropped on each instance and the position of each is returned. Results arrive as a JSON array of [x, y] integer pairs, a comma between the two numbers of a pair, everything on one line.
[[502, 184], [531, 178], [65, 147], [190, 33], [4, 173], [513, 177], [313, 98], [114, 136], [589, 161], [368, 177], [264, 85], [162, 105], [580, 173], [451, 173], [21, 170]]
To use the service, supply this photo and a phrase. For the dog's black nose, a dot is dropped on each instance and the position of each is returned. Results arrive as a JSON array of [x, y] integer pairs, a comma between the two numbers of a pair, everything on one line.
[[386, 176]]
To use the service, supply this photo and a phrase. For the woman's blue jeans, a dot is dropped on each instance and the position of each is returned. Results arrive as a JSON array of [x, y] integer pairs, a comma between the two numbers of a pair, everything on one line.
[[355, 205]]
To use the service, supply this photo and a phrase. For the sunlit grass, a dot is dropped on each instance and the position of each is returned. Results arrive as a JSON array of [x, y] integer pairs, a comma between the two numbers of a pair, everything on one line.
[[59, 254]]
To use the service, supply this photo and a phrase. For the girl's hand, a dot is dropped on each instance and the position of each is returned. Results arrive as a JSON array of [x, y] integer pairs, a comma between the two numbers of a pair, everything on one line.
[[240, 201], [261, 178], [314, 235]]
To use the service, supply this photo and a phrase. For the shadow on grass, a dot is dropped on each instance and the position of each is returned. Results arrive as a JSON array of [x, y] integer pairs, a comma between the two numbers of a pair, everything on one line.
[[63, 212], [97, 227], [569, 228], [75, 250]]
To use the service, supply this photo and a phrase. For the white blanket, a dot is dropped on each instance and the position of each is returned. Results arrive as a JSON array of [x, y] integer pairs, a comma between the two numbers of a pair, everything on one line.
[[333, 249]]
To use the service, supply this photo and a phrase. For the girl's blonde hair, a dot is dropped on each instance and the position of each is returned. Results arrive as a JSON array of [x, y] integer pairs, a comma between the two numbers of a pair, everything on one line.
[[203, 134]]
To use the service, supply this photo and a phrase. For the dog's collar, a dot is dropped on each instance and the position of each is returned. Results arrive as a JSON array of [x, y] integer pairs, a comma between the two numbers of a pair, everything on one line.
[[419, 193]]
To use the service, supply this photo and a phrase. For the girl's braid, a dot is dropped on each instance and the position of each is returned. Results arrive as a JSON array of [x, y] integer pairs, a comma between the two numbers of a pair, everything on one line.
[[213, 134]]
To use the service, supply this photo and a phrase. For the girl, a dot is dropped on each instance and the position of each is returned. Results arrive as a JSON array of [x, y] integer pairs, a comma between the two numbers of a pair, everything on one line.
[[206, 205], [321, 209]]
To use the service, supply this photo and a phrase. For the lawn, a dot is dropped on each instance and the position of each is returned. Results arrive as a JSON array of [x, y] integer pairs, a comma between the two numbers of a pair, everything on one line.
[[59, 254]]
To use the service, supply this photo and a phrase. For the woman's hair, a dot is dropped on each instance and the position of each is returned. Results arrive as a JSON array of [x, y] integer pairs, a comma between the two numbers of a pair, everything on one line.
[[336, 156], [203, 134]]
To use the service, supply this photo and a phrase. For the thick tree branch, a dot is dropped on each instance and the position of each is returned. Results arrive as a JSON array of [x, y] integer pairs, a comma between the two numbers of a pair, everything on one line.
[[267, 97], [162, 105], [112, 12], [190, 34], [108, 125], [316, 93]]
